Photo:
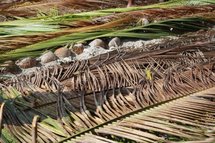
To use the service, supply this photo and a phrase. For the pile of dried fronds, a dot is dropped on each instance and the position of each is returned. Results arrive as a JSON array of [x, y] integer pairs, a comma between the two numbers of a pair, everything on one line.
[[160, 93], [75, 98]]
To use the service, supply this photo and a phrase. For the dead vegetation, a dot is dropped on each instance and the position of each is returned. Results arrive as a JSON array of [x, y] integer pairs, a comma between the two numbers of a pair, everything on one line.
[[162, 92]]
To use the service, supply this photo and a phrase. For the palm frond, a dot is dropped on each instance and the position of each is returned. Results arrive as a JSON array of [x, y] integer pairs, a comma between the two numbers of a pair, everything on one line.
[[188, 119], [115, 102], [18, 34], [150, 31]]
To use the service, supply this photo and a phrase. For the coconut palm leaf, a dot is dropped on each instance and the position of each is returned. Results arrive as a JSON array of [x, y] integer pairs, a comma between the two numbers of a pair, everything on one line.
[[188, 119], [10, 40], [117, 102], [150, 31], [46, 21], [151, 51]]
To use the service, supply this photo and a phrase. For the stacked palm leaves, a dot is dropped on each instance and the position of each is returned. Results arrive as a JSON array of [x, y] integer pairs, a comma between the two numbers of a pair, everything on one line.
[[34, 36], [96, 100], [78, 97]]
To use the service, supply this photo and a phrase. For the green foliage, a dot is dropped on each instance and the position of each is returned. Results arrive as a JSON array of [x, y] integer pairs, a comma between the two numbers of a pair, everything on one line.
[[150, 31], [50, 22]]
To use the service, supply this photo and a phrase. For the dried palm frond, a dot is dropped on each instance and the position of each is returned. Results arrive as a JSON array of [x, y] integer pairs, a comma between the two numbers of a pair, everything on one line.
[[190, 119], [80, 109], [174, 49]]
